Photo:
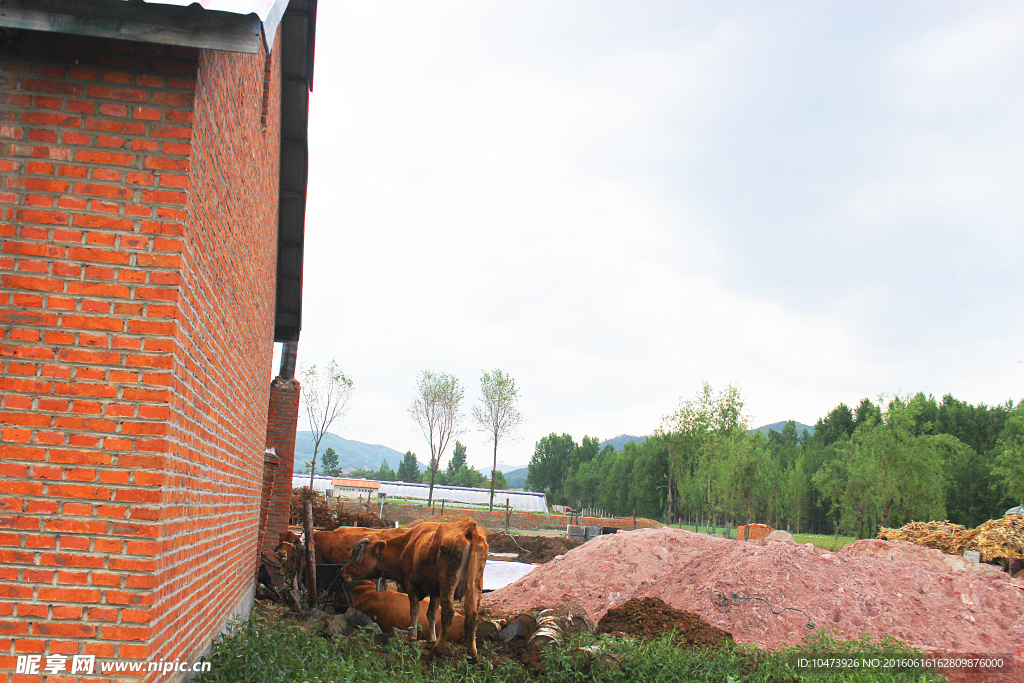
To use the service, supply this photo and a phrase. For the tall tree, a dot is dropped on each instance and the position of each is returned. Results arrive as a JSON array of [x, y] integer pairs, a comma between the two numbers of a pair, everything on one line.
[[325, 396], [456, 462], [1010, 456], [702, 428], [550, 467], [385, 473], [329, 464], [408, 469], [436, 410], [497, 413]]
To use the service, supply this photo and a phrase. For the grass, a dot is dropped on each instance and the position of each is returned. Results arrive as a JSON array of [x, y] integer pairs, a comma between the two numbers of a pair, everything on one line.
[[259, 650], [824, 542]]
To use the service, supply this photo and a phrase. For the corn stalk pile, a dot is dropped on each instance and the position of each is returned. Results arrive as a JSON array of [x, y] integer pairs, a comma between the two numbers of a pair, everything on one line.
[[996, 538]]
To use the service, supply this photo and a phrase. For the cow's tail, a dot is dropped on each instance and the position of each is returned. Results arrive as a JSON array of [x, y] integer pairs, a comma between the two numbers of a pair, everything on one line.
[[471, 578]]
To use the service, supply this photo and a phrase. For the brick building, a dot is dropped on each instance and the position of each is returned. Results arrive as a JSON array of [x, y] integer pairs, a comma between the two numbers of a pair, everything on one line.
[[152, 193]]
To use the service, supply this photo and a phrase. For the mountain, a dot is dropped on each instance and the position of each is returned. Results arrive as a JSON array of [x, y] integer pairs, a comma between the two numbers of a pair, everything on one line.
[[618, 442], [351, 454], [777, 426], [516, 478]]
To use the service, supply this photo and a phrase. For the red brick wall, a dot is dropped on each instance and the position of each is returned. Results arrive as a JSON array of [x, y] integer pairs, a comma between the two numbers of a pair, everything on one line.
[[282, 420], [138, 213]]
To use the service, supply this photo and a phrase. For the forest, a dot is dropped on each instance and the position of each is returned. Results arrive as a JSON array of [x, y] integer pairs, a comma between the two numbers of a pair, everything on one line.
[[884, 463]]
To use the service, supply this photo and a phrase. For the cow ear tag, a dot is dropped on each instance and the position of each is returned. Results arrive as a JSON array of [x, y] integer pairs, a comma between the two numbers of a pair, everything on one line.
[[381, 585]]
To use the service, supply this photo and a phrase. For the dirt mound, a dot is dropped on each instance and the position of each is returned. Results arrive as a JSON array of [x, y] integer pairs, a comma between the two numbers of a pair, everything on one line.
[[768, 593], [906, 551], [652, 617], [531, 549]]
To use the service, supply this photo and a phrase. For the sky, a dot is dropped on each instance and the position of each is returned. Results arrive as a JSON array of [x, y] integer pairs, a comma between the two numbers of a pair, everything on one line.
[[615, 202]]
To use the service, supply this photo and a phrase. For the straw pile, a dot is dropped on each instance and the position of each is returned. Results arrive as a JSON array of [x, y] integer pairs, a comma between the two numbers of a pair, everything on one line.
[[994, 539], [942, 536]]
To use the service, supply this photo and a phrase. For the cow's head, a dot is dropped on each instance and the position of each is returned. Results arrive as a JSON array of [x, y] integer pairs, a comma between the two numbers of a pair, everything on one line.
[[365, 560], [289, 550]]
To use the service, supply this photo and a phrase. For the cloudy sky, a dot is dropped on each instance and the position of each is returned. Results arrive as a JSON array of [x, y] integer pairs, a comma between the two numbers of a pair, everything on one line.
[[614, 201]]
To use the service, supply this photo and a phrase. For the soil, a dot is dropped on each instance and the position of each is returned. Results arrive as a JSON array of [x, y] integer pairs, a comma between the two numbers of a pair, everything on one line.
[[530, 549], [651, 618], [932, 608]]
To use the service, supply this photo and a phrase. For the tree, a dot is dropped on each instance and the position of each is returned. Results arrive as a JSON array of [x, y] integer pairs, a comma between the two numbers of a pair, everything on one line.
[[408, 469], [457, 461], [497, 414], [1010, 456], [329, 464], [701, 429], [325, 396], [498, 481], [468, 476], [436, 410], [385, 473], [550, 467]]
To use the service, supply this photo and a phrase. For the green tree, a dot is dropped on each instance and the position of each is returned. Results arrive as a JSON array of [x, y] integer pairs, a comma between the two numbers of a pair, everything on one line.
[[456, 462], [497, 413], [469, 477], [330, 462], [550, 467], [498, 481], [701, 430], [1010, 456], [408, 469], [884, 475], [436, 409], [325, 397], [385, 473]]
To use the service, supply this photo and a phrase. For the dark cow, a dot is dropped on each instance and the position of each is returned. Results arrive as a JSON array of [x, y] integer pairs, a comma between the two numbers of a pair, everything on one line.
[[443, 562]]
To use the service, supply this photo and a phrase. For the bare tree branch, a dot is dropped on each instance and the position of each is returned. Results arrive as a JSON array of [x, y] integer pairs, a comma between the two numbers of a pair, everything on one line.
[[497, 415], [436, 410], [325, 397]]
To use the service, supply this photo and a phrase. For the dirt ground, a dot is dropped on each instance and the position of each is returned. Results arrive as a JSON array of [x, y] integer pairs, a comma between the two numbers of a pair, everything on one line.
[[530, 549]]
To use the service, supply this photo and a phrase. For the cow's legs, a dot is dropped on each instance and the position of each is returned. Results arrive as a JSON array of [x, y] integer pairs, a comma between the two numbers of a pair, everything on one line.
[[432, 609], [471, 610], [414, 612]]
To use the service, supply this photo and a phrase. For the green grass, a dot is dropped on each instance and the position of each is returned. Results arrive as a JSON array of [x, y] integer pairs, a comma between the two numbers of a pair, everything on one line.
[[260, 651], [824, 542]]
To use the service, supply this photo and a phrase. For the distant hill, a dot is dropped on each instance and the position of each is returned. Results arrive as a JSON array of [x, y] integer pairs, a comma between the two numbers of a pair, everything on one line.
[[619, 441], [352, 455], [516, 478], [777, 426]]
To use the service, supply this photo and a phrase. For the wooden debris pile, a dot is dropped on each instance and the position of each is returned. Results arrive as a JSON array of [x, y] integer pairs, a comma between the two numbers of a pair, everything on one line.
[[939, 535], [330, 516], [996, 538]]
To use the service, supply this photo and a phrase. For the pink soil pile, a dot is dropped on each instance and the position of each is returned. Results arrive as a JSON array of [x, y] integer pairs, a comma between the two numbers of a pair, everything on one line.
[[930, 607]]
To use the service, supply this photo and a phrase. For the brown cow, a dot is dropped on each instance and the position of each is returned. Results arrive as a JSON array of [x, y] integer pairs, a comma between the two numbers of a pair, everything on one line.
[[289, 552], [443, 562], [331, 547], [390, 610]]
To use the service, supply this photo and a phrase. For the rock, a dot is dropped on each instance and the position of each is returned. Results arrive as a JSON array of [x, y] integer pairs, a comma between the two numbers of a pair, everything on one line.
[[780, 535], [357, 619], [307, 621], [336, 627]]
